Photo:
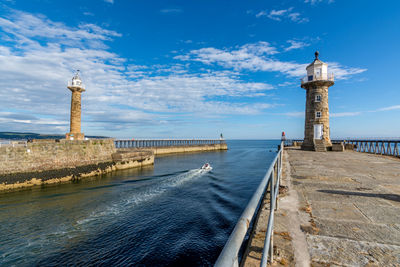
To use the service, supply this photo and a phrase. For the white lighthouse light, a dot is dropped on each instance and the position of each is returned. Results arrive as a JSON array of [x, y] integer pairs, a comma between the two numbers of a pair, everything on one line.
[[317, 71], [76, 81]]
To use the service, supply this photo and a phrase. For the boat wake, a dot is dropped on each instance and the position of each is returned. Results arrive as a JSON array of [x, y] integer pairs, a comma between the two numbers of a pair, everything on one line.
[[130, 199], [110, 213]]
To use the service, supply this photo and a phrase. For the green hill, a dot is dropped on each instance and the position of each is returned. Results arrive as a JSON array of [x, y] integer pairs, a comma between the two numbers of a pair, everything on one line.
[[25, 136]]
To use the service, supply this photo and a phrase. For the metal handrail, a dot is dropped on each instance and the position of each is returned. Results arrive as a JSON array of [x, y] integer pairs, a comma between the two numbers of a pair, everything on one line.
[[12, 143], [289, 142], [142, 143], [230, 253], [388, 147], [382, 147]]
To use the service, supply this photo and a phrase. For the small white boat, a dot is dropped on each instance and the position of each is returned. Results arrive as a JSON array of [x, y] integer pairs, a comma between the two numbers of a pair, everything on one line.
[[206, 167]]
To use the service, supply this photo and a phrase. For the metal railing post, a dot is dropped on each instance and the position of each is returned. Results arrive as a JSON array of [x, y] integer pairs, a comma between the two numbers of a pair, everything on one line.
[[271, 204], [278, 179], [229, 254]]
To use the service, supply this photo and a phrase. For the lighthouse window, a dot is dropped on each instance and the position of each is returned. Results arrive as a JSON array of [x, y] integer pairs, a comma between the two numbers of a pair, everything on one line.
[[318, 98], [318, 114]]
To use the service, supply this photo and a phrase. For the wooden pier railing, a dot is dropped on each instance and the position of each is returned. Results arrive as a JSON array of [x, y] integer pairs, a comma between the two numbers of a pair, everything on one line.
[[165, 143]]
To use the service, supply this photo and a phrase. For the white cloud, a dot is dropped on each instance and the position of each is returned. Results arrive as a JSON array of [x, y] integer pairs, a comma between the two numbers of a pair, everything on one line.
[[109, 1], [344, 114], [390, 108], [27, 30], [258, 57], [296, 17], [297, 114], [87, 13], [287, 83], [43, 55], [351, 114], [318, 1], [342, 72], [171, 10], [295, 45], [260, 14], [279, 15]]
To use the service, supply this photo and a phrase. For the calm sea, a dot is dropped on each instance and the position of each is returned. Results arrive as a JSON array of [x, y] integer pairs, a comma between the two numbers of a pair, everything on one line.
[[170, 214]]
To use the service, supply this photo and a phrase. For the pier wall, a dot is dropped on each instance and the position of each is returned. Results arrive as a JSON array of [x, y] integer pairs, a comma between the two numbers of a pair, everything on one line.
[[178, 149], [54, 161], [49, 155], [184, 149]]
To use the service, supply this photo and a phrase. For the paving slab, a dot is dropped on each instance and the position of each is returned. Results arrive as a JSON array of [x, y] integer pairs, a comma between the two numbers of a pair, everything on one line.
[[380, 233], [347, 211], [331, 251], [349, 206]]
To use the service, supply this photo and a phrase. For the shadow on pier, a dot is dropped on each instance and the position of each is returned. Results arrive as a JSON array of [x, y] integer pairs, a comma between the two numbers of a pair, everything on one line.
[[392, 197]]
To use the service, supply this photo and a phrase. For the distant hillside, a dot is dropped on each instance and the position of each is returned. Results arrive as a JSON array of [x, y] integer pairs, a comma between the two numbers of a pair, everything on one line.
[[25, 136]]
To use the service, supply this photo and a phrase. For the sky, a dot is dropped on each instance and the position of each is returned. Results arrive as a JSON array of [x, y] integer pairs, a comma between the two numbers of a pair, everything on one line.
[[195, 69]]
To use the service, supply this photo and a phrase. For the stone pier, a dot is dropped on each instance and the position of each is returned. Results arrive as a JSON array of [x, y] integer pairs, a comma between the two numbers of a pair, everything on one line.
[[53, 161], [337, 209]]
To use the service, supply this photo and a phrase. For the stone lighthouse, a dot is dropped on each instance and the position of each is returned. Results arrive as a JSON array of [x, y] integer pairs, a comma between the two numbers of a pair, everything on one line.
[[316, 83], [76, 88]]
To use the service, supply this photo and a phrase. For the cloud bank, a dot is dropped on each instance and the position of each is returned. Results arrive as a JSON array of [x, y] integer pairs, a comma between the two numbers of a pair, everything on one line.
[[40, 55]]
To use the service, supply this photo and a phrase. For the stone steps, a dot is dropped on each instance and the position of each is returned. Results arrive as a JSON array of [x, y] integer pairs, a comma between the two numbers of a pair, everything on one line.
[[319, 145]]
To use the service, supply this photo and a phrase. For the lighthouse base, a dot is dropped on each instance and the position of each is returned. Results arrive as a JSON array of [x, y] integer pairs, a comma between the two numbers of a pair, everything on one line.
[[75, 136]]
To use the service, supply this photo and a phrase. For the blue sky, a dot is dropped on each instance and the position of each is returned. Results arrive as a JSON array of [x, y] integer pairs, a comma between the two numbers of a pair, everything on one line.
[[194, 69]]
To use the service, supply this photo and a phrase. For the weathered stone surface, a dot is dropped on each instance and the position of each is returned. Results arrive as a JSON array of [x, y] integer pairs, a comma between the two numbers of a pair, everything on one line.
[[332, 251], [54, 154], [351, 207], [75, 121], [190, 148], [338, 147], [313, 89], [53, 161], [131, 154]]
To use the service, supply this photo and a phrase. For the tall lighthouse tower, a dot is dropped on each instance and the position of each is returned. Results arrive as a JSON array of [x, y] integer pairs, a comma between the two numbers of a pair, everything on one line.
[[76, 88], [316, 83]]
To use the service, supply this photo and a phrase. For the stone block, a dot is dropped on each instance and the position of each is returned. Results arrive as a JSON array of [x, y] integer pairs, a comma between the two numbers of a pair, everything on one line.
[[349, 146], [131, 154], [49, 155], [338, 147]]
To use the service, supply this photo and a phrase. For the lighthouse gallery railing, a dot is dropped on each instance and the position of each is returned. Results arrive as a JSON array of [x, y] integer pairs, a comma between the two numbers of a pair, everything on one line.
[[230, 253], [321, 77]]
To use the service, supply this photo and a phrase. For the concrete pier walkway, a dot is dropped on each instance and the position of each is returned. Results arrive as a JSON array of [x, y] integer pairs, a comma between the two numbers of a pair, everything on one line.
[[346, 206]]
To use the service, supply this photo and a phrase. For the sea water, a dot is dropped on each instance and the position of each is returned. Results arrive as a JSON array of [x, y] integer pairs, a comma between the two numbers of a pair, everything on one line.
[[169, 214]]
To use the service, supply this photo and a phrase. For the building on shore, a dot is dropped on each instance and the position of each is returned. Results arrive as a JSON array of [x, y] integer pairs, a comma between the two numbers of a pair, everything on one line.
[[316, 84], [76, 88]]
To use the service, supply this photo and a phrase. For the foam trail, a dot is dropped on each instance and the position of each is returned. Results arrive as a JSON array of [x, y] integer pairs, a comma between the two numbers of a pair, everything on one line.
[[145, 195], [107, 215]]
